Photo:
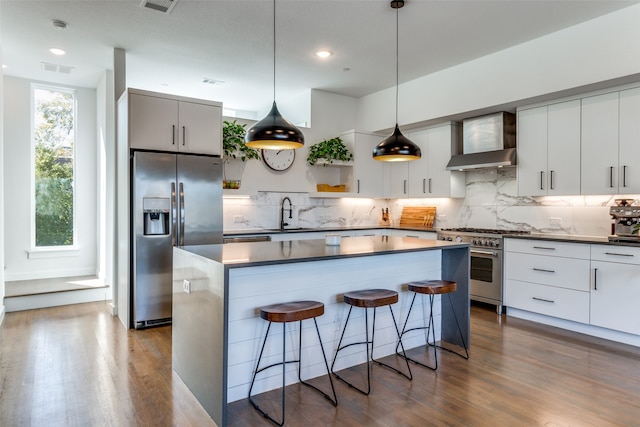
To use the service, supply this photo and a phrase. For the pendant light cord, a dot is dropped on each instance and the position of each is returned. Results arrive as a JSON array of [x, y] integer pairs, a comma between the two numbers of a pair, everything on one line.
[[274, 51], [397, 60]]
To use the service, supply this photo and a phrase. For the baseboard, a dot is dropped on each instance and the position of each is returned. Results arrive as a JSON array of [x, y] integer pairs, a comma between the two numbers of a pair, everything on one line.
[[31, 302], [52, 274], [114, 309]]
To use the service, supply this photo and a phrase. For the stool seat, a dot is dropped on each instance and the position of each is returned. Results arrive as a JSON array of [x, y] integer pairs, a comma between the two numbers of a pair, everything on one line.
[[292, 311], [369, 298], [433, 287]]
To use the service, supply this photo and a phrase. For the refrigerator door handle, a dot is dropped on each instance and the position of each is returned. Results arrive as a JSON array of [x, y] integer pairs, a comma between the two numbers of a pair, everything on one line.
[[174, 214], [181, 214]]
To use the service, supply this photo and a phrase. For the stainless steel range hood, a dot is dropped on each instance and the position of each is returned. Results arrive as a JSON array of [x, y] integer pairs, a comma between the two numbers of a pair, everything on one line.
[[487, 142]]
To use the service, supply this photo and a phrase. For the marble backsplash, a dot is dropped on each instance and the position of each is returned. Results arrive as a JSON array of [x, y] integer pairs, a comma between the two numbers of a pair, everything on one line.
[[491, 202]]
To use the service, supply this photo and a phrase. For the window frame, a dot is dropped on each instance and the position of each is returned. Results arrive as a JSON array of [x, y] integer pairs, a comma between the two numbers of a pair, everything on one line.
[[48, 251]]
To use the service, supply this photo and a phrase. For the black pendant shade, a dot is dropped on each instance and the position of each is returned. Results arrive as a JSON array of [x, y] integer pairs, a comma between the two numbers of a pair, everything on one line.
[[274, 132], [396, 148]]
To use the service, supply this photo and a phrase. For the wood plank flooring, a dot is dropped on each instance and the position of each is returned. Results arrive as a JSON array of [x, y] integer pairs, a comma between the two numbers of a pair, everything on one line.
[[76, 366]]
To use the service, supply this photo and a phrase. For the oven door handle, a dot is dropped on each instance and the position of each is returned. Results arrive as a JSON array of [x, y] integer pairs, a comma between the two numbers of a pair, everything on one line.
[[491, 253]]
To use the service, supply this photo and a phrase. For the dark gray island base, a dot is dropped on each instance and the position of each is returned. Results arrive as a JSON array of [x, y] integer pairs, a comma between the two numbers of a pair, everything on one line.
[[218, 290]]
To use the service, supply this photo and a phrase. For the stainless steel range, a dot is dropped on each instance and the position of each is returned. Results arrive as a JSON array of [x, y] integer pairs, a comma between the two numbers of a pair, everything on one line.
[[486, 260]]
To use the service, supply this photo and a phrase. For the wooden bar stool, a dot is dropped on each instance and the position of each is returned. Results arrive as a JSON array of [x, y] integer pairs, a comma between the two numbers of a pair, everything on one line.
[[295, 311], [370, 298], [432, 288]]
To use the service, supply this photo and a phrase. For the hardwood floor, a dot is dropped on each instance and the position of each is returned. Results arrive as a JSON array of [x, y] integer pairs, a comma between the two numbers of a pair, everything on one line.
[[77, 366]]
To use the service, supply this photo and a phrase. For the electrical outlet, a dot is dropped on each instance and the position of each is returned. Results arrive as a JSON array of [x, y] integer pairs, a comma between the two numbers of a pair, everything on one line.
[[441, 217], [237, 218], [555, 222], [186, 286]]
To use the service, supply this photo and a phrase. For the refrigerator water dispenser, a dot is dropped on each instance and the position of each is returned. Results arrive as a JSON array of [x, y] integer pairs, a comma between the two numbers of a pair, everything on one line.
[[156, 216]]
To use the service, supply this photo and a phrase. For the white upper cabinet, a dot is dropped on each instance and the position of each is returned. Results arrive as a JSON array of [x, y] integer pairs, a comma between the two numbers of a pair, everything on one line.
[[629, 142], [599, 165], [549, 150], [368, 174], [428, 176], [167, 123]]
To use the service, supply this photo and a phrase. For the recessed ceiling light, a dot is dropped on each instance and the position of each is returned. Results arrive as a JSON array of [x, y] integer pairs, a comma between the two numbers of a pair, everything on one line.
[[323, 53], [57, 51]]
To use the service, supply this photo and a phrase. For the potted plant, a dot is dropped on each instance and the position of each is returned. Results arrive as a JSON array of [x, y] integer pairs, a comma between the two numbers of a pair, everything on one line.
[[329, 150], [234, 148]]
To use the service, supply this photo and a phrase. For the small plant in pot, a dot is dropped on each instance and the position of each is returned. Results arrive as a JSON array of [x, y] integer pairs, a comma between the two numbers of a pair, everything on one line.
[[329, 150], [234, 148]]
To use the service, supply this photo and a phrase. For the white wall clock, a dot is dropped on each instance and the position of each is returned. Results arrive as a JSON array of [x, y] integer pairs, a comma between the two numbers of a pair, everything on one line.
[[278, 160]]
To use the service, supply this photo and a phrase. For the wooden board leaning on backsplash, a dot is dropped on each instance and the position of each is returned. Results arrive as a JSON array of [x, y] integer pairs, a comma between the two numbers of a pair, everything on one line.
[[418, 216]]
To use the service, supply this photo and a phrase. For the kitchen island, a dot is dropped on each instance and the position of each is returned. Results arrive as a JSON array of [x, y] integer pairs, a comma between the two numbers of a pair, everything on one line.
[[219, 289]]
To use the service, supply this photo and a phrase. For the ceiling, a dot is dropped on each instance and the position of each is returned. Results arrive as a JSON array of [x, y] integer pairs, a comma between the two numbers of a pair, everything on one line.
[[232, 41]]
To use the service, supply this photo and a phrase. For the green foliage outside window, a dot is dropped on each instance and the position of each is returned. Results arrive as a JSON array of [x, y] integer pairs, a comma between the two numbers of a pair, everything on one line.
[[54, 140]]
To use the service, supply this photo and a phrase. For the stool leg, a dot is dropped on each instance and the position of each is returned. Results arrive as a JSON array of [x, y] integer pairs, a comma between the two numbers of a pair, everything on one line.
[[258, 370], [340, 347], [395, 325], [430, 329], [334, 400]]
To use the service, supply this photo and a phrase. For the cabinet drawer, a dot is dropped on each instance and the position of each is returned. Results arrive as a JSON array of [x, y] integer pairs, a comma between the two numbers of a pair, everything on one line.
[[612, 253], [566, 273], [548, 300], [546, 247]]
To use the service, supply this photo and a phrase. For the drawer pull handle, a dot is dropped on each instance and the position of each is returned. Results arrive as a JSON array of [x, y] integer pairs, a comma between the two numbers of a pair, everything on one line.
[[544, 247], [543, 300], [595, 279], [543, 270], [616, 254]]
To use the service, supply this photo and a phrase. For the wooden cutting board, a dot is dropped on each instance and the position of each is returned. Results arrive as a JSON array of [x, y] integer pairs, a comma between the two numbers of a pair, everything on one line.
[[418, 216]]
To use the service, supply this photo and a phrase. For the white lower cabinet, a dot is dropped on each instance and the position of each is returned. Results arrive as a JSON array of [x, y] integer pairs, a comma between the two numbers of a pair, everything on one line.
[[553, 301], [600, 288], [615, 289], [538, 279]]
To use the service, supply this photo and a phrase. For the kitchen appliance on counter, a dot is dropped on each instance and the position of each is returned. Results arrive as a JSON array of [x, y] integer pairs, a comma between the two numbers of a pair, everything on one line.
[[486, 272], [176, 200], [625, 217]]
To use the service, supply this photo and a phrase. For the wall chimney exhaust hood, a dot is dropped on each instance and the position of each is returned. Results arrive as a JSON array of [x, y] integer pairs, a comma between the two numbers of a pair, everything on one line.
[[487, 142]]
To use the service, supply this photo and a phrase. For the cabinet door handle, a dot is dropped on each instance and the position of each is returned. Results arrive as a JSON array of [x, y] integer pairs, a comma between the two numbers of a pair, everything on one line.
[[624, 176], [551, 180], [542, 180], [173, 134], [542, 299], [545, 248], [543, 270], [358, 186], [184, 135], [429, 185], [611, 176], [595, 279], [617, 254], [404, 186], [424, 182]]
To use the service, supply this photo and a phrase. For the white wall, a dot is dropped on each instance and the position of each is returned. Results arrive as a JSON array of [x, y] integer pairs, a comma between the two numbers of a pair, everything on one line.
[[2, 263], [17, 187], [603, 49]]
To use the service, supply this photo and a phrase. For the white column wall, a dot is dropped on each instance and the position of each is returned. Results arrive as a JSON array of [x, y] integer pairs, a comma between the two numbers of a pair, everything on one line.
[[602, 49], [2, 262], [324, 281]]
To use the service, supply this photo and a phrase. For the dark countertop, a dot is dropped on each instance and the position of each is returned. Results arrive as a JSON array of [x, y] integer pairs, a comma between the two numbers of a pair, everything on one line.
[[265, 253], [572, 238], [255, 231]]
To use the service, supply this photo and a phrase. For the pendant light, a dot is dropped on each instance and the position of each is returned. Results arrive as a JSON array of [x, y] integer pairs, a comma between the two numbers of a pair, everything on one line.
[[274, 132], [397, 147]]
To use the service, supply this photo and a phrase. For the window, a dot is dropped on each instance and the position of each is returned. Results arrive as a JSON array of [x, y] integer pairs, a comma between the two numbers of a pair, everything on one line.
[[54, 118]]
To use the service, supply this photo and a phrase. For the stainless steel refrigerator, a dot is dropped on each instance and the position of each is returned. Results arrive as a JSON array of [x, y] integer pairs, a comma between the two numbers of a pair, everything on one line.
[[176, 201]]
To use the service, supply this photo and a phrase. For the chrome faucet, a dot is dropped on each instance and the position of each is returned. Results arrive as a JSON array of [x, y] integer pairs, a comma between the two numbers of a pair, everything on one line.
[[282, 211]]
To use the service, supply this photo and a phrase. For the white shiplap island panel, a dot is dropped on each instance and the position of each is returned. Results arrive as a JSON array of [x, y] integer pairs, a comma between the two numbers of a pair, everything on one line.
[[217, 330]]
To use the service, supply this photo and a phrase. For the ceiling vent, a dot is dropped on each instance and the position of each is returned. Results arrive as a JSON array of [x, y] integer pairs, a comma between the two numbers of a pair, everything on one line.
[[56, 68], [212, 82], [164, 6]]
